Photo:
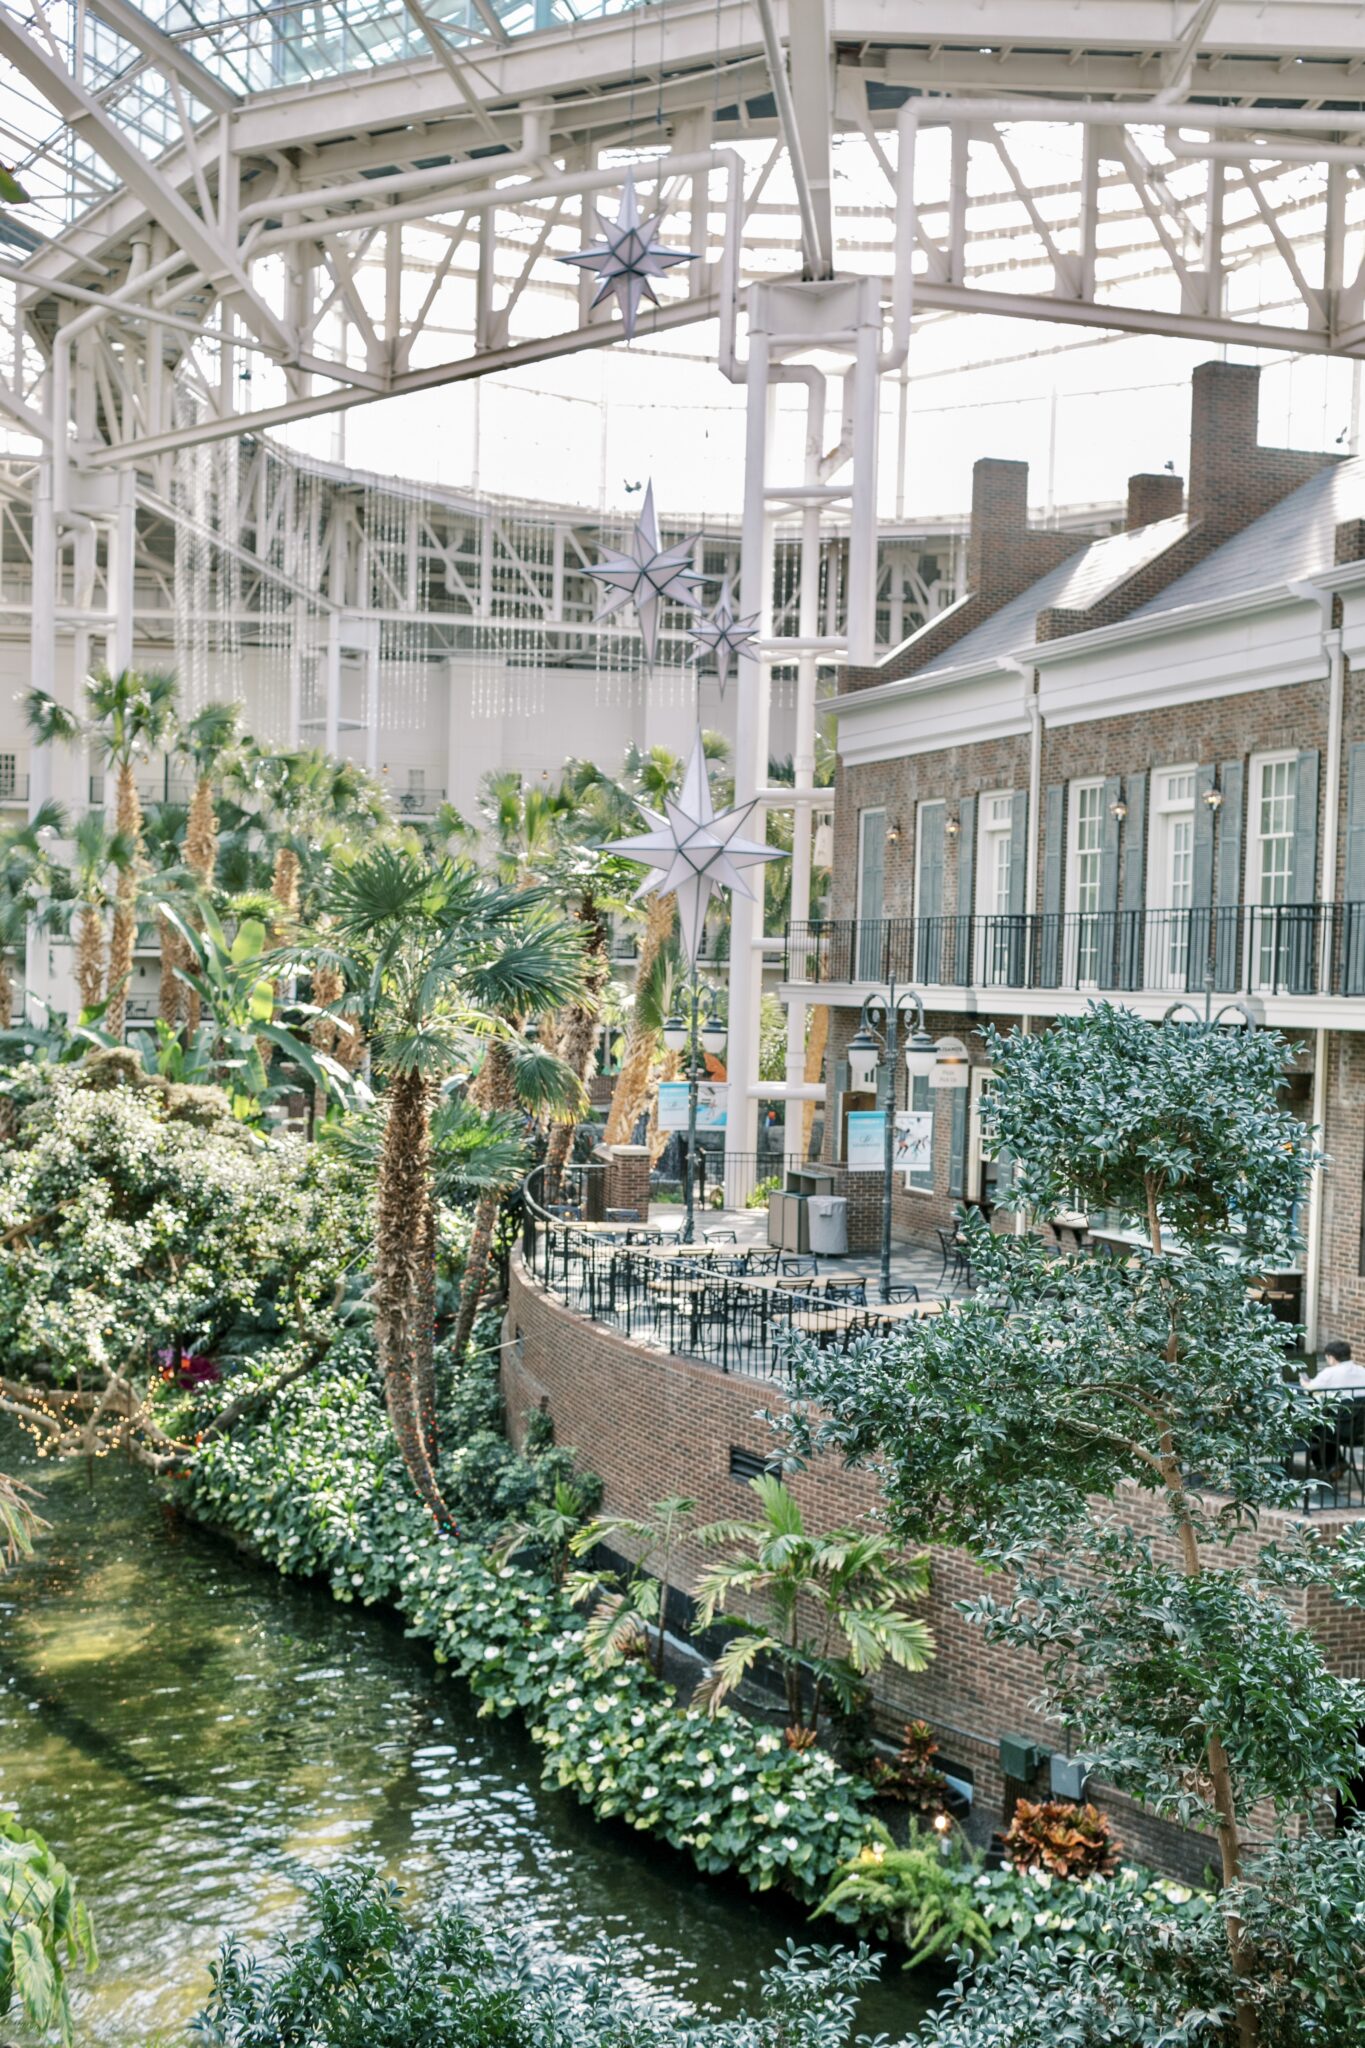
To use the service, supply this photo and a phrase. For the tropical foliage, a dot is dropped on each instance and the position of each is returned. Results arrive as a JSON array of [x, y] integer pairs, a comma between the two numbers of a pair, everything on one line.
[[1013, 1426]]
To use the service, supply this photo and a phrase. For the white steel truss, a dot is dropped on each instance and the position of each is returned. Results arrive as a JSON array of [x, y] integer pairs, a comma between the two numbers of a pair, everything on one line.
[[250, 214]]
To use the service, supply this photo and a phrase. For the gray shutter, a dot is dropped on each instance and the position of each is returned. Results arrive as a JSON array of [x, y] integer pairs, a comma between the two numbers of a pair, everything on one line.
[[1352, 910], [1133, 914], [1107, 948], [1227, 916], [957, 1146], [1201, 881], [1018, 925], [929, 895], [1054, 879], [1302, 919], [966, 891]]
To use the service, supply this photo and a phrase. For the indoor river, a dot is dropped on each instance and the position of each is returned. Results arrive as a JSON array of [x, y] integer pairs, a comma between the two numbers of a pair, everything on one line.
[[190, 1731]]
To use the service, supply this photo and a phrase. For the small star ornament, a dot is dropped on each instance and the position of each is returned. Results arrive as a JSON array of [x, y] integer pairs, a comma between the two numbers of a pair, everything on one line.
[[692, 852], [646, 574], [627, 257], [725, 635]]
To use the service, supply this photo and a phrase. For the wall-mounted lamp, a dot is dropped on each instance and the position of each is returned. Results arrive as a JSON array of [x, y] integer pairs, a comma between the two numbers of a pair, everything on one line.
[[893, 833], [1118, 810], [951, 827], [1213, 798]]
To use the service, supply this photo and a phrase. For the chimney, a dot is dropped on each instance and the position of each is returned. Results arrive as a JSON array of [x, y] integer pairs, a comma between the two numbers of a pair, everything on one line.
[[1223, 443], [1157, 496], [999, 518]]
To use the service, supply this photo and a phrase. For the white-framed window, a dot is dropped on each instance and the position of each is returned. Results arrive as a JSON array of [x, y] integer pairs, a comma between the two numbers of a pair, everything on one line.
[[1170, 874], [871, 891], [1269, 875], [9, 775], [929, 823], [996, 836], [1085, 842]]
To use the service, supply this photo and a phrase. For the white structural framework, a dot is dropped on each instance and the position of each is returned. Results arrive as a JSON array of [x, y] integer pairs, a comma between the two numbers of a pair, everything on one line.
[[247, 215]]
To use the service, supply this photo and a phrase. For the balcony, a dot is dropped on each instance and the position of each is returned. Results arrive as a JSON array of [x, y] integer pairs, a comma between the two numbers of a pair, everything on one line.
[[1280, 959]]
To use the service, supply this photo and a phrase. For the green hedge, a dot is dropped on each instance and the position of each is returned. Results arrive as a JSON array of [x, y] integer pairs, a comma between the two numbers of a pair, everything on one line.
[[317, 1491]]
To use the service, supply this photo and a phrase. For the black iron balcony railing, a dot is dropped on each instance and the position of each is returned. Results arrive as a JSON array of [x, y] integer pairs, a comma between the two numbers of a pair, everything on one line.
[[1243, 948]]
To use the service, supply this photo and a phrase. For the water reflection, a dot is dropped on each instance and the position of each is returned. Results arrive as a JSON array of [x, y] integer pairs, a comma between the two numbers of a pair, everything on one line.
[[188, 1731]]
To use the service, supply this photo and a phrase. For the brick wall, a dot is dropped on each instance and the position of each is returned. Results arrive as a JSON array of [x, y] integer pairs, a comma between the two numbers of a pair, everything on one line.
[[652, 1426], [1341, 1292]]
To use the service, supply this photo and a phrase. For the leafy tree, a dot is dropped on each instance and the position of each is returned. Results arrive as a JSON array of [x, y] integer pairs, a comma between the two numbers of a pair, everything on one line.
[[855, 1583], [208, 741], [32, 884], [99, 859], [1022, 1426], [359, 1976], [631, 1610]]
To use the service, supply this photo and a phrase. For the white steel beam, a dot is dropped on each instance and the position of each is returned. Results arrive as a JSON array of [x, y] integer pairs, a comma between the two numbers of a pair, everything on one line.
[[164, 52]]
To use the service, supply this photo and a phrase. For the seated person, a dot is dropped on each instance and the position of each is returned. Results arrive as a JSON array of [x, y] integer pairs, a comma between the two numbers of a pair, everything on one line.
[[1340, 1371]]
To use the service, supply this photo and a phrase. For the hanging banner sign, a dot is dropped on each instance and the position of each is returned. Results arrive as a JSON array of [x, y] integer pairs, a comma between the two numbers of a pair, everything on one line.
[[712, 1098], [914, 1139], [866, 1141]]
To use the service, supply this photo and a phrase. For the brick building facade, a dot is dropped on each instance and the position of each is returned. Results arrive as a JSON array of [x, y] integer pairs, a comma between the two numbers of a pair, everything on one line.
[[1131, 767]]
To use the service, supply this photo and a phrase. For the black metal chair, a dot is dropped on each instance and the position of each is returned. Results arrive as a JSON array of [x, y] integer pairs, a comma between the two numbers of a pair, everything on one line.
[[948, 1246], [848, 1293], [759, 1262], [801, 1265], [908, 1292], [720, 1237]]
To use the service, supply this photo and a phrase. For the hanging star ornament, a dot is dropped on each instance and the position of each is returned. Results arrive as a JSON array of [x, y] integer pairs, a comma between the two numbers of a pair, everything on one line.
[[646, 574], [627, 257], [725, 635], [692, 852]]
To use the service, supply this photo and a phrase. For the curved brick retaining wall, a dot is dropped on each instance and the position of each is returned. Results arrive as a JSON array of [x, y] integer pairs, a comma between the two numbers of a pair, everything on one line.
[[653, 1425]]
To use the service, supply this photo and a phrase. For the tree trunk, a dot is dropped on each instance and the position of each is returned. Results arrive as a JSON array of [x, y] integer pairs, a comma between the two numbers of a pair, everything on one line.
[[578, 1035], [90, 957], [1220, 1769], [6, 992], [171, 1000], [632, 1083], [325, 1035], [657, 1140], [404, 1199], [424, 1378], [123, 938], [494, 1089], [201, 857]]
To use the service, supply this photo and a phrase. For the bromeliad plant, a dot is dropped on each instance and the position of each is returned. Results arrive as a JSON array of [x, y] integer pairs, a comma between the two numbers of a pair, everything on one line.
[[1104, 1431], [854, 1582]]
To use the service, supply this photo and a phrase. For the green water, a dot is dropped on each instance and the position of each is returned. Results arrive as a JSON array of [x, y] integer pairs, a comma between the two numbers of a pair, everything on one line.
[[189, 1731]]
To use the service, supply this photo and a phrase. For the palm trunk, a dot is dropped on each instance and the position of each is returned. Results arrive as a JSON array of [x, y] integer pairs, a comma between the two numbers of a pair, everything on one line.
[[404, 1199], [90, 957], [123, 938], [201, 857], [578, 1037], [324, 1036], [494, 1089], [656, 1139], [170, 1002], [424, 1378], [6, 992], [632, 1083]]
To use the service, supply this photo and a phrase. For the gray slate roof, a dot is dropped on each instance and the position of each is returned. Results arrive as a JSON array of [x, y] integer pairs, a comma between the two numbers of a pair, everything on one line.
[[1294, 538], [1075, 584]]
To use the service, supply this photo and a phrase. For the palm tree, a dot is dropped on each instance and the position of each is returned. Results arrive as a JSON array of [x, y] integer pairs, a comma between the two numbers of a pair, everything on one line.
[[631, 1610], [207, 741], [128, 716], [428, 948], [856, 1584], [98, 856], [31, 886]]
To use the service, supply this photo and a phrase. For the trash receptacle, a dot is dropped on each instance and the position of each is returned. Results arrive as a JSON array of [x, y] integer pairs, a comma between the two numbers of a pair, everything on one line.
[[828, 1223]]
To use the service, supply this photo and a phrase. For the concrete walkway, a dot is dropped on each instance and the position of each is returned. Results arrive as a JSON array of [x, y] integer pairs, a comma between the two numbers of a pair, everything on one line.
[[911, 1264]]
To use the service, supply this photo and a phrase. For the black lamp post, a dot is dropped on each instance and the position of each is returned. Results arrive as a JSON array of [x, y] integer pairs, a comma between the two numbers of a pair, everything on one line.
[[1186, 1013], [709, 1036], [877, 1034]]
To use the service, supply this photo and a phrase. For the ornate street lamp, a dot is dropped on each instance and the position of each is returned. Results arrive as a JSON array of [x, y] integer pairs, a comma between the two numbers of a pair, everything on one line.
[[877, 1035]]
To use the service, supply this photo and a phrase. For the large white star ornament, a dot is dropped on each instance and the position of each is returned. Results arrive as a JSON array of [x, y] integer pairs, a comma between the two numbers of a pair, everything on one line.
[[692, 852], [725, 635], [646, 574], [627, 257]]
